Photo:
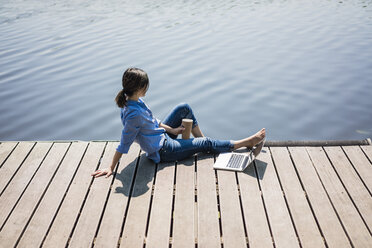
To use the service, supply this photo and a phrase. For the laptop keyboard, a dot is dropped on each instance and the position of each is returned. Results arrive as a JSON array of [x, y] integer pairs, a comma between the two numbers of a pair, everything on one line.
[[236, 161]]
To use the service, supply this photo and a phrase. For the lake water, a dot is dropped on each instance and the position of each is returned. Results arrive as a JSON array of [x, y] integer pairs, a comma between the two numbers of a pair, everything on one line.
[[302, 69]]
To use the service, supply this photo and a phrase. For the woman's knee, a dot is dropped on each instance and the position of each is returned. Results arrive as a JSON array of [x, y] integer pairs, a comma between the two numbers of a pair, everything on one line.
[[184, 110], [184, 106]]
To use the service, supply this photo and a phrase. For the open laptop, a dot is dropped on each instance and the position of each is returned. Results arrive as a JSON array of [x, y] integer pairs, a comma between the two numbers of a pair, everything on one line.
[[237, 161]]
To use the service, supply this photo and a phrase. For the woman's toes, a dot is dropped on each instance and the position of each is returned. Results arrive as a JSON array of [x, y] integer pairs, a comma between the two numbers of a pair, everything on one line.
[[263, 133]]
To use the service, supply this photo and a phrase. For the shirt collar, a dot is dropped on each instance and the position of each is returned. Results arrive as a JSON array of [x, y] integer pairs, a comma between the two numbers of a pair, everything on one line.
[[130, 101]]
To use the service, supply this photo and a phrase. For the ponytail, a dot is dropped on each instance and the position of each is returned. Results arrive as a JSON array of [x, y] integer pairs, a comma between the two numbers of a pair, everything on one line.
[[121, 99]]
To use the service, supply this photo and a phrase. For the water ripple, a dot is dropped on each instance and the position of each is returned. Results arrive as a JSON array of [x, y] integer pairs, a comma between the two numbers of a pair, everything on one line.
[[299, 68]]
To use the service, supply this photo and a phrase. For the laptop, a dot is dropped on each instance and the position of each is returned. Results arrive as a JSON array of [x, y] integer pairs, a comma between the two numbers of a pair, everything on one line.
[[237, 161]]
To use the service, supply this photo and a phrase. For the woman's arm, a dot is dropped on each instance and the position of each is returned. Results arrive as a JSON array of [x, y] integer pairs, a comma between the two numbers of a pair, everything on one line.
[[131, 128], [108, 171], [115, 160], [166, 127], [171, 130]]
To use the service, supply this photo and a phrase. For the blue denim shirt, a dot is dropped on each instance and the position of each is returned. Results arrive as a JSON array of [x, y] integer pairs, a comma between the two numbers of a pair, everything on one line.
[[140, 126]]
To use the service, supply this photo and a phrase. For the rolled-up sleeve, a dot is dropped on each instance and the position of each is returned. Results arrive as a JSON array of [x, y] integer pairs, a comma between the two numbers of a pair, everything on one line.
[[132, 126], [158, 121]]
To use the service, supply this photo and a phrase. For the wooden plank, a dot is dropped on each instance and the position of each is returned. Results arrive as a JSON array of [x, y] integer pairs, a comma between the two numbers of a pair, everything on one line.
[[37, 217], [29, 201], [328, 221], [112, 220], [231, 216], [368, 151], [14, 161], [63, 223], [360, 163], [5, 149], [281, 225], [136, 218], [90, 215], [358, 192], [43, 216], [161, 210], [184, 205], [357, 231], [303, 218], [21, 179], [256, 223], [208, 223]]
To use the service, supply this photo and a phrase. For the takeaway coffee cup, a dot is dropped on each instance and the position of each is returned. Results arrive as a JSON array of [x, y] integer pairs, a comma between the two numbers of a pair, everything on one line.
[[187, 124]]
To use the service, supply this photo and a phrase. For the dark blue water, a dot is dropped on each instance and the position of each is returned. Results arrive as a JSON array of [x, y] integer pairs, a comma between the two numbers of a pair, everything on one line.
[[302, 69]]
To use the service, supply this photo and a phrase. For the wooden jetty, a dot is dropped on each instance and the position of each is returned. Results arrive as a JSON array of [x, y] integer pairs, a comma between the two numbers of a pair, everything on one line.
[[291, 196]]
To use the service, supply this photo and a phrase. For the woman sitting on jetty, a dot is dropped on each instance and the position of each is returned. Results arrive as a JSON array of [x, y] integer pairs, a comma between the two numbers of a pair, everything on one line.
[[159, 138]]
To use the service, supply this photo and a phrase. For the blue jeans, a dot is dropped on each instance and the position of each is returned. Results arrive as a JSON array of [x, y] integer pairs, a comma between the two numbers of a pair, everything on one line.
[[178, 149]]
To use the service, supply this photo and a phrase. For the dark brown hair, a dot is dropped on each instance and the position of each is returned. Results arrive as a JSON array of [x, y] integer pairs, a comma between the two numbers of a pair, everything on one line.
[[134, 79]]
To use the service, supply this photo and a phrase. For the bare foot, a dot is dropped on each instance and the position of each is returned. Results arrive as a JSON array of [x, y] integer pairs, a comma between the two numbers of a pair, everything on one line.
[[257, 138], [258, 148], [251, 141]]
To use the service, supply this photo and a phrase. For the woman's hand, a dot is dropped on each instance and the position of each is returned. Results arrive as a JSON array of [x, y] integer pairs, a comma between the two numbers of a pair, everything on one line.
[[101, 172], [177, 130]]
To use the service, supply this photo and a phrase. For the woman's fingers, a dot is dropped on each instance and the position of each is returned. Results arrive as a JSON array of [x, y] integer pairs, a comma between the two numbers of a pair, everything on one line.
[[101, 174], [180, 130], [96, 172]]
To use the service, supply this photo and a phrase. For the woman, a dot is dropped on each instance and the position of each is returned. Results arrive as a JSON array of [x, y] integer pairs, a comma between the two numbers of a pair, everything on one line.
[[159, 139]]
